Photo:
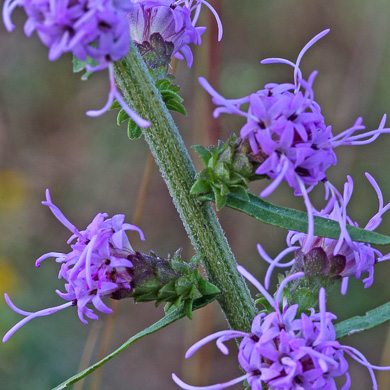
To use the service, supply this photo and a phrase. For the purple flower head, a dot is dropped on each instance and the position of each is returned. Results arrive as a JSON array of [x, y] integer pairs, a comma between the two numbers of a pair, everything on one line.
[[285, 352], [86, 28], [287, 133], [97, 29], [173, 20], [95, 268], [340, 257], [285, 128]]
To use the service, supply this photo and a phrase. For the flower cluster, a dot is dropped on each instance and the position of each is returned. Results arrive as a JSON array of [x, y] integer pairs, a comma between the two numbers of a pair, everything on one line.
[[286, 130], [340, 257], [96, 29], [95, 268], [287, 133], [87, 29], [101, 30], [287, 352], [172, 21]]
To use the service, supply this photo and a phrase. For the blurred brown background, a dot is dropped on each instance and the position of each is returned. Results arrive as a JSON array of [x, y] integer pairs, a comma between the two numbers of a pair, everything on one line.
[[46, 141]]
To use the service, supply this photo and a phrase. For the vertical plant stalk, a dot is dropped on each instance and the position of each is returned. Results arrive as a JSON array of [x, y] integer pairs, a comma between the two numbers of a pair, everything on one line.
[[177, 170]]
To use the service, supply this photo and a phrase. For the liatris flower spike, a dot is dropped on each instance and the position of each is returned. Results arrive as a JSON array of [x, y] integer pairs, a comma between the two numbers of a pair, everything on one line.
[[97, 30], [284, 352], [286, 130], [333, 258], [101, 30], [97, 266]]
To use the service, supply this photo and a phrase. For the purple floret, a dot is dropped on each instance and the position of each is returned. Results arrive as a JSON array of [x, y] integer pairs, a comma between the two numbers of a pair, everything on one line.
[[95, 268], [286, 352]]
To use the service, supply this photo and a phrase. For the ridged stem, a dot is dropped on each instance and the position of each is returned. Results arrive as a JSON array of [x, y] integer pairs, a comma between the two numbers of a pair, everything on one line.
[[177, 170]]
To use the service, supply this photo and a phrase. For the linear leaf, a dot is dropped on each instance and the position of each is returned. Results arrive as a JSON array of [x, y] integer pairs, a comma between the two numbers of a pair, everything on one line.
[[357, 324], [80, 65], [290, 219], [174, 105], [172, 316], [168, 95], [122, 116], [133, 130]]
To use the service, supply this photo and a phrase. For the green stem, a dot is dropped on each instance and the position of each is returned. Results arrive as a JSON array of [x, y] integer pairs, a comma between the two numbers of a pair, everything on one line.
[[177, 170]]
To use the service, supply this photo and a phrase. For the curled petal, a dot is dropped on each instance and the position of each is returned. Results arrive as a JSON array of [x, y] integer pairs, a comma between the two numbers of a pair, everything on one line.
[[226, 334], [29, 317], [8, 8], [115, 94]]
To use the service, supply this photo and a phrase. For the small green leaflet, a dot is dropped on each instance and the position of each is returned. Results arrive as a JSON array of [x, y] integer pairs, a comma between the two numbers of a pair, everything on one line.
[[357, 324], [172, 316], [172, 100], [290, 219], [79, 65]]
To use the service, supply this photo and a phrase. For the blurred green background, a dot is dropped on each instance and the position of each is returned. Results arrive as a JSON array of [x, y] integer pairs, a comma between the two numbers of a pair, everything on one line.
[[46, 141]]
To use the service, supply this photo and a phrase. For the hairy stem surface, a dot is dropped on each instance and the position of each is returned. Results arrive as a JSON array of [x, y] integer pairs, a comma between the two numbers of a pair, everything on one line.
[[177, 170]]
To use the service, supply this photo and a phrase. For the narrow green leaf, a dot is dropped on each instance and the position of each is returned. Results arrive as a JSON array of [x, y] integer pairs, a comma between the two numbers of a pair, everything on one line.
[[241, 192], [200, 187], [220, 199], [122, 116], [174, 88], [206, 174], [169, 95], [163, 84], [224, 189], [173, 105], [203, 152], [169, 318], [115, 105], [290, 219], [188, 308], [133, 130], [78, 65], [207, 288], [356, 324]]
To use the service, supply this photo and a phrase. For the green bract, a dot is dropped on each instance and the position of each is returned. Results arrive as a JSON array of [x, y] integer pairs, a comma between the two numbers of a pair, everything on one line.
[[227, 170]]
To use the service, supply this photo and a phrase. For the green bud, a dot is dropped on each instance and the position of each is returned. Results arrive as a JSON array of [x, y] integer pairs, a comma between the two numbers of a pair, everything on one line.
[[320, 271], [227, 170], [172, 281]]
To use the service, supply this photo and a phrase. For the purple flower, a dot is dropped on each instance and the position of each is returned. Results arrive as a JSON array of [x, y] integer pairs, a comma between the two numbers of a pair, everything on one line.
[[285, 352], [287, 132], [86, 28], [338, 257], [172, 20], [97, 29], [101, 29], [95, 268]]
